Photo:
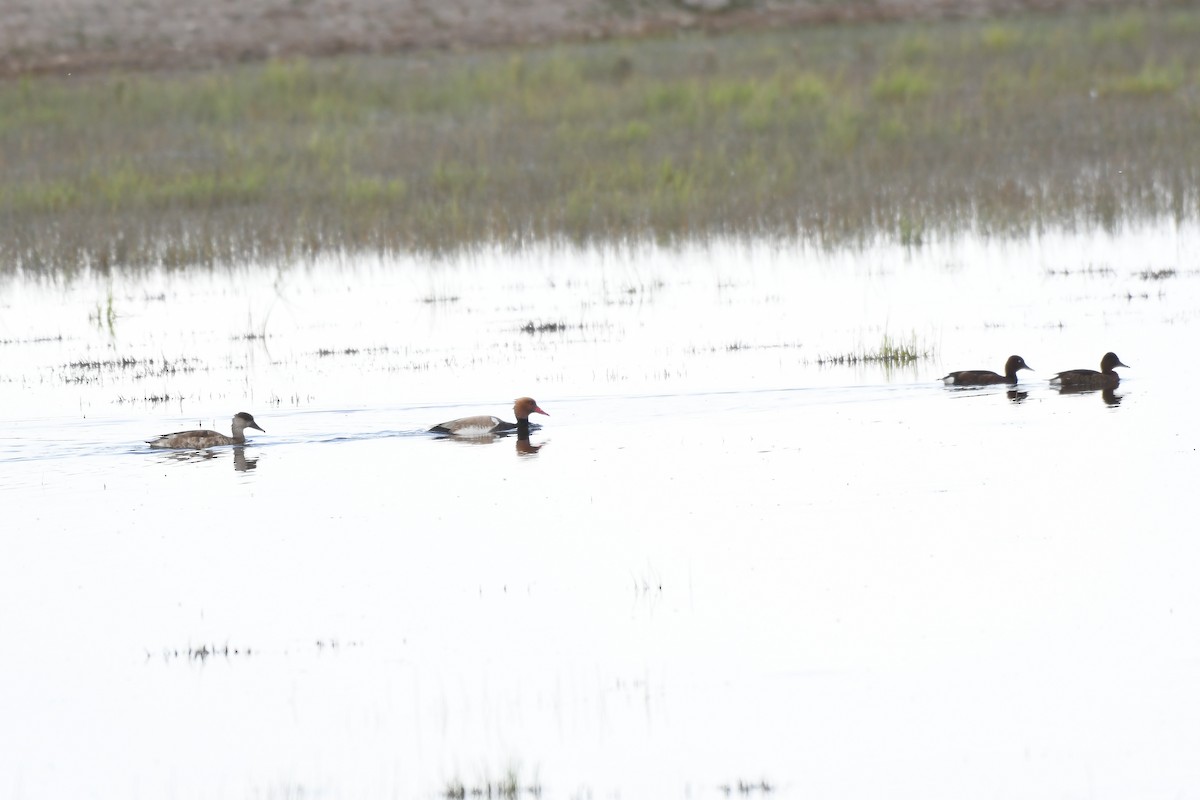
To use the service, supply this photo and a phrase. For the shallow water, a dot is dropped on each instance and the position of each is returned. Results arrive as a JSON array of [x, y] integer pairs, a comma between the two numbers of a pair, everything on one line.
[[719, 563]]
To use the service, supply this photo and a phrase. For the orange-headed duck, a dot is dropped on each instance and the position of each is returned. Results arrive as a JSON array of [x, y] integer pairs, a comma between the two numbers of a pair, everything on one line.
[[1106, 378], [982, 377], [483, 425], [198, 440]]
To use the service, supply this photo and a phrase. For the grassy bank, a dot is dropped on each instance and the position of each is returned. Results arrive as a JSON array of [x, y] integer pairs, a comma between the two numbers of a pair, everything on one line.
[[836, 134]]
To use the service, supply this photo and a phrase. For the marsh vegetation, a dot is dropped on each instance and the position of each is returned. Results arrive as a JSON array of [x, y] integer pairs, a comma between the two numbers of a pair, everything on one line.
[[509, 787], [833, 134], [891, 352]]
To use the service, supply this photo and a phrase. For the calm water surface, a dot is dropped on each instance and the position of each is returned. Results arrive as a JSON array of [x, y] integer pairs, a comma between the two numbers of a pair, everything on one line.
[[718, 563]]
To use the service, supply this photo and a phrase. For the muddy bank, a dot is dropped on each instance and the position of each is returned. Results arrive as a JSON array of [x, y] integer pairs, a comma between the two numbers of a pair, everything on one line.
[[78, 35]]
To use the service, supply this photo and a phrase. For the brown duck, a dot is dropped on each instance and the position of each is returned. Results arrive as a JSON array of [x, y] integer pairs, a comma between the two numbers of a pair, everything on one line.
[[198, 440], [1106, 378], [983, 377]]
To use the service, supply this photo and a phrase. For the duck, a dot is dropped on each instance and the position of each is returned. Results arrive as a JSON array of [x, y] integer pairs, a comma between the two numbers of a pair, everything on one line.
[[483, 425], [983, 377], [198, 440], [1106, 378]]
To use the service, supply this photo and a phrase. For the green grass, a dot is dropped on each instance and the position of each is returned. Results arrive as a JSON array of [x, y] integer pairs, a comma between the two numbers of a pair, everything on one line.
[[891, 352], [1150, 79], [839, 135]]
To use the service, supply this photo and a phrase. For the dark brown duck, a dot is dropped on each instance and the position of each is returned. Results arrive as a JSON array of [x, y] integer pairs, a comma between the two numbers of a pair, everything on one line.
[[1106, 378], [983, 377]]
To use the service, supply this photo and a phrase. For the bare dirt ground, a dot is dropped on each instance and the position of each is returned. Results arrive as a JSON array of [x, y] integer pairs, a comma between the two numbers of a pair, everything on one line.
[[62, 36]]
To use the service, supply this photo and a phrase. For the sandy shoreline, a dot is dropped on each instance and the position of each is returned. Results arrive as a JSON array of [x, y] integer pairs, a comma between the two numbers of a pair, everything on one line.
[[71, 36]]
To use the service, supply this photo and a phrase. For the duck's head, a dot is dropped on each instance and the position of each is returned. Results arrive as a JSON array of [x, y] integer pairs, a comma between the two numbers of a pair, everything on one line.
[[1015, 363], [243, 420], [1109, 361], [524, 406]]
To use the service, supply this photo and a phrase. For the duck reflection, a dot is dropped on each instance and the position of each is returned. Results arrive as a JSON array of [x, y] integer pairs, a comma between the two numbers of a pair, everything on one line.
[[189, 455], [1108, 395], [524, 446], [240, 462], [1016, 396]]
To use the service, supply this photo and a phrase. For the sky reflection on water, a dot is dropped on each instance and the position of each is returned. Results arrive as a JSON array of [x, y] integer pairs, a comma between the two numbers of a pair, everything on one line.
[[725, 563]]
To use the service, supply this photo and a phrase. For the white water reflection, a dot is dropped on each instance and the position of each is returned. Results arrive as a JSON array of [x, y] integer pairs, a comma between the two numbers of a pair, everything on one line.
[[724, 564]]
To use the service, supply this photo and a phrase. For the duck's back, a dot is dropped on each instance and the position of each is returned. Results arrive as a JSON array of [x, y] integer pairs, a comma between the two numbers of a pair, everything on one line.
[[478, 425], [190, 440], [974, 377]]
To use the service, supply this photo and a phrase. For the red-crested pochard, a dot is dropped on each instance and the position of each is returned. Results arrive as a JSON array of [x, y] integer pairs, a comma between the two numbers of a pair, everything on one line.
[[198, 440], [483, 425]]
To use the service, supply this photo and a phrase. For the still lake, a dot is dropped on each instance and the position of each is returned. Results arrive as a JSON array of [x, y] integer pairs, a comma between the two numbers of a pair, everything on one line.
[[726, 566]]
